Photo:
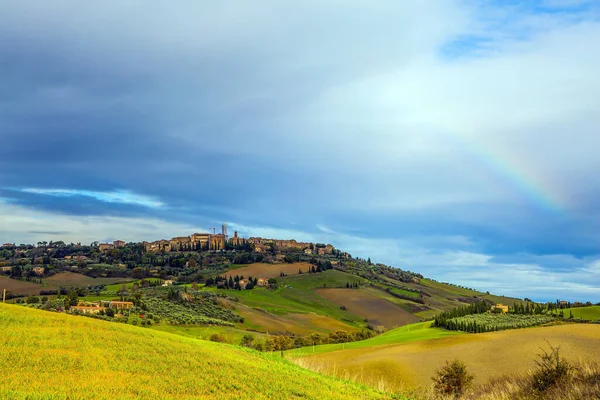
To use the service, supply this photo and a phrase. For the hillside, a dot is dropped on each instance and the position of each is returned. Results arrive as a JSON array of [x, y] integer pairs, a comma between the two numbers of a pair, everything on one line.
[[60, 356], [408, 356]]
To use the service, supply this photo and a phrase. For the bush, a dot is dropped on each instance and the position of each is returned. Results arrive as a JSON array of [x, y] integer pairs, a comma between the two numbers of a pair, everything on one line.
[[551, 368], [452, 379], [32, 300], [247, 341], [217, 337]]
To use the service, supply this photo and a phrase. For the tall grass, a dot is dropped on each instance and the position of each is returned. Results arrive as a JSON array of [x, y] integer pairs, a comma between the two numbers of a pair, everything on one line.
[[56, 356]]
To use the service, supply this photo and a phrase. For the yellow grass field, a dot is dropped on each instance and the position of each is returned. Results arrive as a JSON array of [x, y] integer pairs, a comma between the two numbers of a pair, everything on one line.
[[487, 355], [56, 356], [265, 270], [377, 310]]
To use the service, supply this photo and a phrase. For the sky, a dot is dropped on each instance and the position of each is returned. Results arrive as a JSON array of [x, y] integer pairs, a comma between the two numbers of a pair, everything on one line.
[[457, 139]]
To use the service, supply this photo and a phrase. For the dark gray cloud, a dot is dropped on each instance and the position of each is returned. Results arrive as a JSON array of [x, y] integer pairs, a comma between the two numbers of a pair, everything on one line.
[[392, 121]]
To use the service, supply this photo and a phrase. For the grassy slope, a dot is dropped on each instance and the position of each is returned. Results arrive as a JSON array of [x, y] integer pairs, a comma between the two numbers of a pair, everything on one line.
[[487, 355], [56, 356], [296, 295], [405, 334], [588, 313]]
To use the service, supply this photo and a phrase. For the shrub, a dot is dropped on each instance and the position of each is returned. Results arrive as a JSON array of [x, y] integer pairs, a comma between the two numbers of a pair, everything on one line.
[[217, 337], [452, 379], [551, 368], [247, 341], [32, 300]]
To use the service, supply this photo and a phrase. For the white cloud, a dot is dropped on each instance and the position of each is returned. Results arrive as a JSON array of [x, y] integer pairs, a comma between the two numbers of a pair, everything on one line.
[[118, 196], [22, 225]]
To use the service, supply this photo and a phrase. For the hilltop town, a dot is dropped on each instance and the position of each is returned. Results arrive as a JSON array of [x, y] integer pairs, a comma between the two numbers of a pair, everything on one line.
[[221, 241]]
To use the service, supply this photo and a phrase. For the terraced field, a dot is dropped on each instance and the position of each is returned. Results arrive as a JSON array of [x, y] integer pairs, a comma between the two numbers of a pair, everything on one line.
[[412, 363]]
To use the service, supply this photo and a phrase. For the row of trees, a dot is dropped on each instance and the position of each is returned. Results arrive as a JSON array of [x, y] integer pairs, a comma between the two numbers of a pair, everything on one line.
[[479, 307]]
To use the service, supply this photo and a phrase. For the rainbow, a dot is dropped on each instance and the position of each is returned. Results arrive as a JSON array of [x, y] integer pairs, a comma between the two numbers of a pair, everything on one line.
[[523, 178]]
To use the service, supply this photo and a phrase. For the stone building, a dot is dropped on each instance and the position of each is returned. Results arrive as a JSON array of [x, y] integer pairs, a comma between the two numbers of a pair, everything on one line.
[[236, 240], [217, 242]]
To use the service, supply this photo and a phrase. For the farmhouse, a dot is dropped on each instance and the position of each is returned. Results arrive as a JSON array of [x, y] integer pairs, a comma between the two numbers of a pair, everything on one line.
[[5, 269], [39, 270], [120, 304], [500, 306], [87, 309], [167, 283], [119, 243], [7, 245], [105, 246], [262, 282]]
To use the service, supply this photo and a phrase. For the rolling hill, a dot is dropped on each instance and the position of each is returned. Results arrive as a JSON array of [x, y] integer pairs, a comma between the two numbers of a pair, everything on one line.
[[57, 356], [408, 356]]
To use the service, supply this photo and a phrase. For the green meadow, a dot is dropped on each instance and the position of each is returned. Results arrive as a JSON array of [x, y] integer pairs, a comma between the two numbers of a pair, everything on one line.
[[404, 334], [58, 356]]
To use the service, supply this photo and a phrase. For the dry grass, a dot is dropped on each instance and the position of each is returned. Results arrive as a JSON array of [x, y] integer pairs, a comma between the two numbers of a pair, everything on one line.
[[377, 310], [488, 355], [264, 270], [582, 384]]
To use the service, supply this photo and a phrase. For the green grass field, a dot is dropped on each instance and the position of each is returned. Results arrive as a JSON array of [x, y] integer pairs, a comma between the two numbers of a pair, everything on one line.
[[56, 356], [587, 313], [231, 335], [404, 334], [296, 295]]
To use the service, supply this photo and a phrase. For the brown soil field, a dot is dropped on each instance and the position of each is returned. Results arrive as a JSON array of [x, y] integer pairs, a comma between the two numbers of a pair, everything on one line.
[[300, 324], [486, 355], [65, 279], [377, 310], [264, 270], [19, 287]]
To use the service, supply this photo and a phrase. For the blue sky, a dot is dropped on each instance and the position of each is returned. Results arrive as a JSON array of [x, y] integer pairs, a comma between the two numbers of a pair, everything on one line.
[[458, 139]]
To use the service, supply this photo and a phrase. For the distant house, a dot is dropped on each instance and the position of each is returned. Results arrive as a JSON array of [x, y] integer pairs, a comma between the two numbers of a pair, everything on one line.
[[500, 306], [308, 251], [7, 245], [119, 243], [87, 309], [167, 283], [105, 246], [243, 283], [120, 304], [262, 282], [5, 269], [280, 257], [39, 270]]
